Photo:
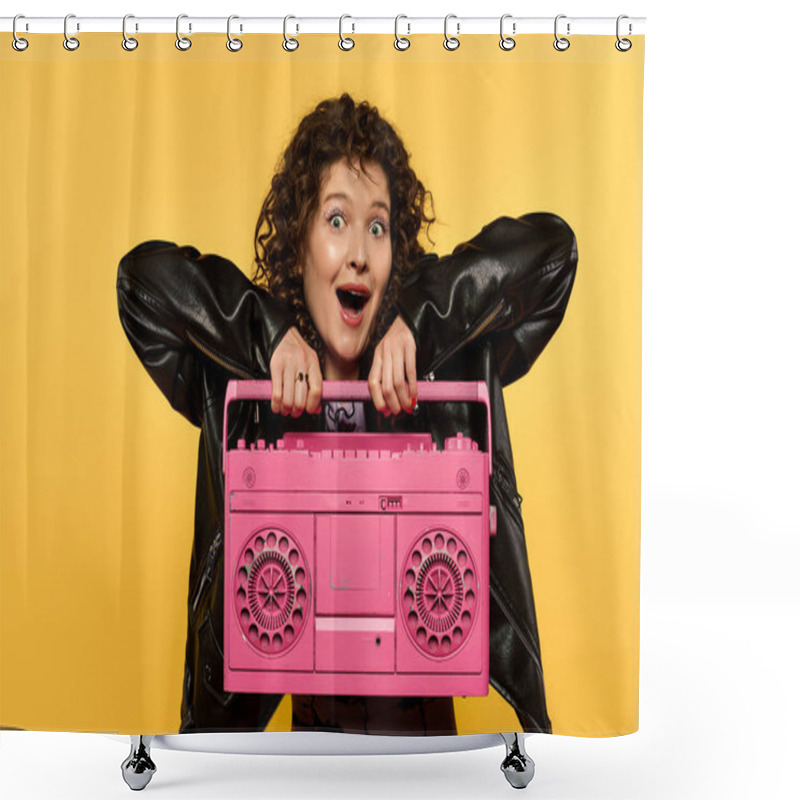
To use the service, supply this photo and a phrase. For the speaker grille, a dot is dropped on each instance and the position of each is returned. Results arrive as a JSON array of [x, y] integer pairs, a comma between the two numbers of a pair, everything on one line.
[[272, 591], [437, 592]]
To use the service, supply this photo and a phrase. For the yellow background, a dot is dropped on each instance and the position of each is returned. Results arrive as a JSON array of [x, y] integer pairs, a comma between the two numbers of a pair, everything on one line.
[[101, 149]]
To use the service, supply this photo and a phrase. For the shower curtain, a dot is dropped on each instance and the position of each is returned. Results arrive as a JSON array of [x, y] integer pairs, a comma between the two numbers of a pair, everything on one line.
[[103, 149]]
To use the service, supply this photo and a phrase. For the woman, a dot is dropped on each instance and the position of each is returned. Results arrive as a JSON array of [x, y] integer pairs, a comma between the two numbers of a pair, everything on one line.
[[346, 292]]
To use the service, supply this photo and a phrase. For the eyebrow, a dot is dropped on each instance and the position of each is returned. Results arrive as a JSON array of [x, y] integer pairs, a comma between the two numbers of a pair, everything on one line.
[[343, 196]]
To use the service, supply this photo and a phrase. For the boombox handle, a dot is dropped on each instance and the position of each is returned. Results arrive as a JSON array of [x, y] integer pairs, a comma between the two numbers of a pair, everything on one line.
[[427, 391]]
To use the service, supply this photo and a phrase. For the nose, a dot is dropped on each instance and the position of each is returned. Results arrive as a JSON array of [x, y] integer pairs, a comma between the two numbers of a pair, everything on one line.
[[358, 254]]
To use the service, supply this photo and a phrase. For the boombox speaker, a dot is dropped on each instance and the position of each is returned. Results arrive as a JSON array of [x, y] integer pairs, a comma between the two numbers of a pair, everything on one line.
[[357, 563]]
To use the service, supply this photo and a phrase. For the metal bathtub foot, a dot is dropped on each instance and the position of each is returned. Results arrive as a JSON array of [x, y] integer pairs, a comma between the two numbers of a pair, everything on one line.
[[518, 766], [138, 768]]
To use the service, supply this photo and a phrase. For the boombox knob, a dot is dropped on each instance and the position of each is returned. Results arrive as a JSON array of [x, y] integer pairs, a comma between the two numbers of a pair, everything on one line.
[[458, 442]]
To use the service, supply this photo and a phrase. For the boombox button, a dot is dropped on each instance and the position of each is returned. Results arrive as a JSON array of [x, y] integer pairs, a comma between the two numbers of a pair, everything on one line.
[[261, 444], [241, 444], [492, 520]]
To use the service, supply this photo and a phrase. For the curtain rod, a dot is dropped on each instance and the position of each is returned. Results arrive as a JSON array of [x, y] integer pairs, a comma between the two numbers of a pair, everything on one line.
[[407, 26]]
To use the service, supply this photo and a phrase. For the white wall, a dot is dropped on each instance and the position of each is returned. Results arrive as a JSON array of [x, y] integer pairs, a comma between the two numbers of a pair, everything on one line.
[[720, 529]]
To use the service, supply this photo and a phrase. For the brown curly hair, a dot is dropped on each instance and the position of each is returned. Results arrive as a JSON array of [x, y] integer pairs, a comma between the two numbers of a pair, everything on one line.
[[337, 128]]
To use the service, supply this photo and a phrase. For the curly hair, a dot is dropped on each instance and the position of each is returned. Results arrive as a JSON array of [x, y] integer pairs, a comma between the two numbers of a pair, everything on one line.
[[337, 128]]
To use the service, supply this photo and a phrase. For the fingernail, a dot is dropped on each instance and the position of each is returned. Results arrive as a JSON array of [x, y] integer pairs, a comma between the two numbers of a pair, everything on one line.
[[413, 402]]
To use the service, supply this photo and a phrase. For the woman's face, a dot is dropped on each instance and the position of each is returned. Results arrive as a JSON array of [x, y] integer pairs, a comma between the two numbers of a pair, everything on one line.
[[347, 261]]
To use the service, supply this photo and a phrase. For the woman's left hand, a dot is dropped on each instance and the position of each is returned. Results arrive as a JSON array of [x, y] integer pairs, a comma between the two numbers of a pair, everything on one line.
[[393, 375]]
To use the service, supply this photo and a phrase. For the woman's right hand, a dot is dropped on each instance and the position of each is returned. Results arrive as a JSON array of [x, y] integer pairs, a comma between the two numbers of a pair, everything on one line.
[[296, 376]]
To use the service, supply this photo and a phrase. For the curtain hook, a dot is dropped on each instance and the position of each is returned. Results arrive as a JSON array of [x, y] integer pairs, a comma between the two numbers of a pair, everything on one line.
[[506, 42], [290, 44], [561, 44], [128, 42], [18, 43], [233, 44], [400, 42], [70, 42], [623, 45], [451, 42], [182, 42], [345, 42]]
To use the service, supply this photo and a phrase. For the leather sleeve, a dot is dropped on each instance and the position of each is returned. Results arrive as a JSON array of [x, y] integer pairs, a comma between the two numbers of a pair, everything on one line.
[[182, 311], [510, 283]]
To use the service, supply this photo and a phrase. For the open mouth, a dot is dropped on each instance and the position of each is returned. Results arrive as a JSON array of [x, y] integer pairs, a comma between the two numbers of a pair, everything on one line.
[[352, 302]]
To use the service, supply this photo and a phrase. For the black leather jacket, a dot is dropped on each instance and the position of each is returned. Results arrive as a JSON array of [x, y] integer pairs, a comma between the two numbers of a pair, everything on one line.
[[483, 313]]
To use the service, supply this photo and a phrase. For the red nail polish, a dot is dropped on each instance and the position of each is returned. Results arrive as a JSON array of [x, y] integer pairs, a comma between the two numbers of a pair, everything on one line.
[[413, 402]]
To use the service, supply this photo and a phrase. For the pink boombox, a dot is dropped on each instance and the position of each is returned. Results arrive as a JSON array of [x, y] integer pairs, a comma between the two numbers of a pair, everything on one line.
[[357, 563]]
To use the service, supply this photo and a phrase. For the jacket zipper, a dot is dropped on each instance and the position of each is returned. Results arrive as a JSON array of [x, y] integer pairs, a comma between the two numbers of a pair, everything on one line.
[[211, 560], [217, 359], [500, 473], [487, 320]]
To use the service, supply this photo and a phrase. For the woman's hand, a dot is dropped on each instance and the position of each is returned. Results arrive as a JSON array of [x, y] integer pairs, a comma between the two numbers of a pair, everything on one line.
[[296, 376], [393, 375]]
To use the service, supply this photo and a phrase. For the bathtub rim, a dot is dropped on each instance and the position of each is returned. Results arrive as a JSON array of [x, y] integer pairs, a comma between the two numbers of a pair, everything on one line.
[[317, 743]]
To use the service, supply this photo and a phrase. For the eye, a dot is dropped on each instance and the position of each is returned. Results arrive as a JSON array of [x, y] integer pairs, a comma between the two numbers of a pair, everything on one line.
[[336, 221], [377, 228]]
